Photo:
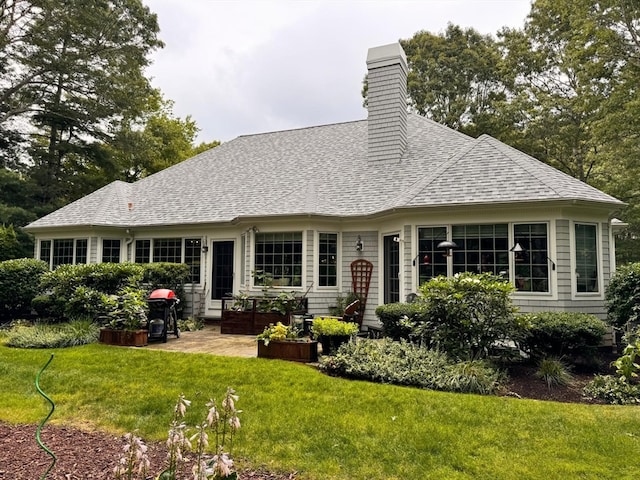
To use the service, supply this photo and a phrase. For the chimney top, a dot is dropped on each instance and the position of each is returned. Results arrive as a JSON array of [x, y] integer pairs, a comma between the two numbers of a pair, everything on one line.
[[386, 55]]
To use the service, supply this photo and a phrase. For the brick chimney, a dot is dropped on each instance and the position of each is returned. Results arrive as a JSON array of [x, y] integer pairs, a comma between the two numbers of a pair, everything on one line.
[[387, 103]]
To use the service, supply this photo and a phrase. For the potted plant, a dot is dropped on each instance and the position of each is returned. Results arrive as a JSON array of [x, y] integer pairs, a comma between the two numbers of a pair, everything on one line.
[[284, 342], [332, 332], [125, 318]]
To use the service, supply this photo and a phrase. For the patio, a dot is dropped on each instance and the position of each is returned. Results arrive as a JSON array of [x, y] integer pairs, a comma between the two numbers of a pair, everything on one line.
[[209, 340]]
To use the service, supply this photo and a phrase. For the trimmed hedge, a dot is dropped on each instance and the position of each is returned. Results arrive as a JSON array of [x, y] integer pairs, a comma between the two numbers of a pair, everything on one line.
[[19, 284], [562, 333], [399, 319]]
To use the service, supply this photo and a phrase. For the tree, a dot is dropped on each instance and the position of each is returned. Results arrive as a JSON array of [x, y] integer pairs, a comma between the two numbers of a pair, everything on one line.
[[454, 78], [72, 70]]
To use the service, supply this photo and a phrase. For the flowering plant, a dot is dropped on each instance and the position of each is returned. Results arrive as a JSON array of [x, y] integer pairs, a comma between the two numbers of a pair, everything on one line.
[[279, 332], [222, 422]]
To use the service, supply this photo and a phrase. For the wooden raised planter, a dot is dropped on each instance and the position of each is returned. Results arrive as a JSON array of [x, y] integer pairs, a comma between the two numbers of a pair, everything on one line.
[[248, 321], [124, 338], [295, 351]]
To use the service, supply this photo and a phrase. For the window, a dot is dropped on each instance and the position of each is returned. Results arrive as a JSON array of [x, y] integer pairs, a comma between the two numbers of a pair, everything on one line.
[[167, 250], [81, 251], [280, 255], [143, 251], [62, 252], [586, 258], [481, 248], [532, 264], [192, 253], [45, 251], [328, 259], [431, 261], [110, 251]]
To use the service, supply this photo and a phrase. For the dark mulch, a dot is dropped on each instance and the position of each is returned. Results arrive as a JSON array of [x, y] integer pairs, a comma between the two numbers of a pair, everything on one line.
[[93, 455], [82, 455]]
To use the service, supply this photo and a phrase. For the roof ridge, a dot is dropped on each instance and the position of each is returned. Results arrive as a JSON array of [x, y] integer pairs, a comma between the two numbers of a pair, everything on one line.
[[310, 127]]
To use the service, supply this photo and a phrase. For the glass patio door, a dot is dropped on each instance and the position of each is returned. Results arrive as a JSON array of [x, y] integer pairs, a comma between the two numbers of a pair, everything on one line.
[[222, 269]]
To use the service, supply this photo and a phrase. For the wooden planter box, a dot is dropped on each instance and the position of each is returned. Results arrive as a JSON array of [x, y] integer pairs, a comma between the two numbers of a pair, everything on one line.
[[295, 351], [125, 338], [248, 321]]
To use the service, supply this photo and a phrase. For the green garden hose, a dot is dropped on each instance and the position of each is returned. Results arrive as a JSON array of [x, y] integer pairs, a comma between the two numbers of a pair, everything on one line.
[[42, 445]]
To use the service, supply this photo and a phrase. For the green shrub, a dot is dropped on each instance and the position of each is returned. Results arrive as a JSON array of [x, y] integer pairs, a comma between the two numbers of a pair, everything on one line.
[[19, 284], [567, 334], [330, 326], [623, 296], [399, 319], [78, 291], [404, 363], [614, 390], [53, 336], [465, 315], [554, 372], [168, 275]]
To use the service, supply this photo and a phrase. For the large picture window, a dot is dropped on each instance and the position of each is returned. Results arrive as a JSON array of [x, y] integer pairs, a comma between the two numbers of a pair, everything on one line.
[[586, 258], [431, 261], [63, 251], [172, 250], [328, 259], [532, 263], [481, 249], [279, 255]]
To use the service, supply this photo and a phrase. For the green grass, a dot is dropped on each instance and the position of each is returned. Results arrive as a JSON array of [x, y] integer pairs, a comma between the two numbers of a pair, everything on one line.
[[295, 418]]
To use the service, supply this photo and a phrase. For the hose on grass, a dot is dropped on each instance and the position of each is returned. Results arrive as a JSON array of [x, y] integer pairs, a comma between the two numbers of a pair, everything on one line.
[[53, 406]]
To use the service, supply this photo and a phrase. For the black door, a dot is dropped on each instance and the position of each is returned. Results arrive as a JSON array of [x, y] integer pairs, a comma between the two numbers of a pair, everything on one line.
[[391, 270], [222, 269]]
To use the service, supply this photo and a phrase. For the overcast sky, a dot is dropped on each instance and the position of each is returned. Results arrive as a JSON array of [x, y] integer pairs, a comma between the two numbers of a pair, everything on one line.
[[251, 66]]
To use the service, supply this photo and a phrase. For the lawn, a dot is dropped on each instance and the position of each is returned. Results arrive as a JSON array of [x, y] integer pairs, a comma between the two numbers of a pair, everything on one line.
[[297, 419]]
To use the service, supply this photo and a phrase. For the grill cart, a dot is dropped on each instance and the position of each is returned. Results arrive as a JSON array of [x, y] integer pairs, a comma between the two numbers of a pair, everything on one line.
[[163, 318]]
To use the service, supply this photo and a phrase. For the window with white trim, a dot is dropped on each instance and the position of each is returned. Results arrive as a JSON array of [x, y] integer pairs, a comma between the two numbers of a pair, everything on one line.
[[279, 254], [172, 250], [481, 248], [430, 261], [110, 250], [63, 251], [532, 264], [327, 259], [586, 258]]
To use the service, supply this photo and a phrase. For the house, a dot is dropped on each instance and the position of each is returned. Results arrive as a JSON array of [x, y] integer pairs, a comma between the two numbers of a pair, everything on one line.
[[303, 204]]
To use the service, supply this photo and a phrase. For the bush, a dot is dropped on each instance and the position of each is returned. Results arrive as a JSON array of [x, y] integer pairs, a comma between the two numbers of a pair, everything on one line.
[[623, 296], [567, 334], [19, 284], [465, 315], [399, 319], [614, 390], [52, 336], [404, 363], [78, 291]]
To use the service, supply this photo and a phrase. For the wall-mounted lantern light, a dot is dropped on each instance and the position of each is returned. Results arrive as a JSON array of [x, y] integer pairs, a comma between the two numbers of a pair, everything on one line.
[[359, 244], [205, 248]]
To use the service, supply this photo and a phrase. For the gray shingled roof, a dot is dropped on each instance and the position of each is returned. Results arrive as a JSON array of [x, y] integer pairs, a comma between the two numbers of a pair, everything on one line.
[[325, 171]]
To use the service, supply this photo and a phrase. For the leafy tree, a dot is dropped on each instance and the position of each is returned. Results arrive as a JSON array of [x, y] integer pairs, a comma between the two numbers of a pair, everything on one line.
[[72, 69], [454, 78]]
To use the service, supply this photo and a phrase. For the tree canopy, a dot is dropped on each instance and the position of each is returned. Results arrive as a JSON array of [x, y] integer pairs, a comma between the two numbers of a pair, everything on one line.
[[76, 109]]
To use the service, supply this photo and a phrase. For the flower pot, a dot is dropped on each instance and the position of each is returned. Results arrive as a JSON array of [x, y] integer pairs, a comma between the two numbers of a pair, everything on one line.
[[289, 350], [331, 343], [125, 338]]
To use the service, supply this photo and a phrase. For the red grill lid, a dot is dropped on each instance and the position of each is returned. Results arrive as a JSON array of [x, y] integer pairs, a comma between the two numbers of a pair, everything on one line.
[[163, 293]]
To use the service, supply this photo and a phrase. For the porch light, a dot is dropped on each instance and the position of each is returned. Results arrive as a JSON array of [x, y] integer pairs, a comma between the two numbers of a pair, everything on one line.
[[359, 244], [205, 248]]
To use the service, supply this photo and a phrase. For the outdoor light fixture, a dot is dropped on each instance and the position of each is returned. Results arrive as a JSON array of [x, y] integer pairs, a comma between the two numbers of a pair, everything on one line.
[[359, 244], [447, 246], [205, 248], [517, 248]]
